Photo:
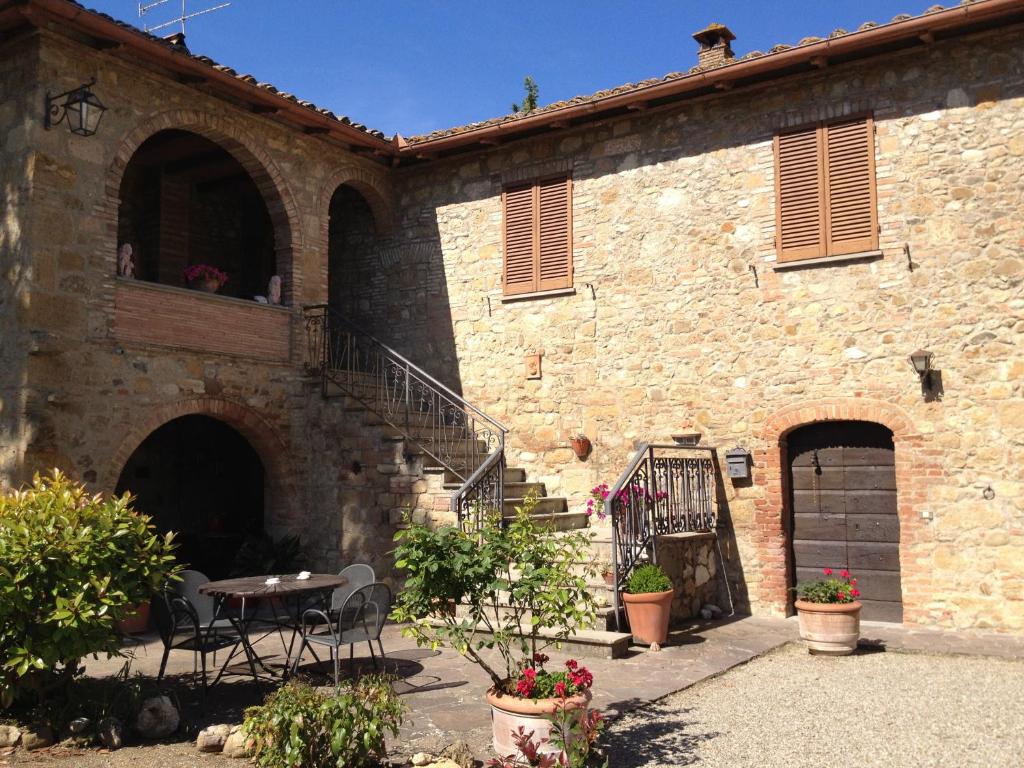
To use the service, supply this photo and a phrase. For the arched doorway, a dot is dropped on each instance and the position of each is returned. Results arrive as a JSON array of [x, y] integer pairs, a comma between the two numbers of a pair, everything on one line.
[[352, 255], [185, 200], [197, 476], [842, 502]]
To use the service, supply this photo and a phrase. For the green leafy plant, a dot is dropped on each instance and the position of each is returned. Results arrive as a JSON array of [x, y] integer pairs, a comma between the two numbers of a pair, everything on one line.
[[72, 565], [262, 555], [299, 726], [520, 586], [831, 589], [575, 735], [531, 91], [648, 578]]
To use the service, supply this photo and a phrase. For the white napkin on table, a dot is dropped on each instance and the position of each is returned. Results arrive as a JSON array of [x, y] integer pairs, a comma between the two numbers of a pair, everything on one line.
[[303, 575]]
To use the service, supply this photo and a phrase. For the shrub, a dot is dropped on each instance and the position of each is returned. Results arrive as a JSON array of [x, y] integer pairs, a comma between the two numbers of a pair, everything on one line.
[[648, 578], [535, 682], [514, 582], [71, 566], [299, 726], [831, 589]]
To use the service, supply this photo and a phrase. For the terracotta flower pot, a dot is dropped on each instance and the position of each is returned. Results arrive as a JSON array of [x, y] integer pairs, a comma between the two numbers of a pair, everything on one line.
[[509, 712], [581, 447], [648, 615], [136, 622], [209, 285], [829, 628]]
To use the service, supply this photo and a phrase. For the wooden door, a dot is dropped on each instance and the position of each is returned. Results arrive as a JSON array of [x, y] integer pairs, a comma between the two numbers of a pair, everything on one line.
[[843, 510]]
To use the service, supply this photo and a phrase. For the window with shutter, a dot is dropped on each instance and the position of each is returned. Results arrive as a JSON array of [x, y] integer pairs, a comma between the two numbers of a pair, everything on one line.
[[538, 236], [825, 190]]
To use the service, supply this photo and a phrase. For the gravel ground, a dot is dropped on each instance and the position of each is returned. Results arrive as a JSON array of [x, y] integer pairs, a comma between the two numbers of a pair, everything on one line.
[[872, 709]]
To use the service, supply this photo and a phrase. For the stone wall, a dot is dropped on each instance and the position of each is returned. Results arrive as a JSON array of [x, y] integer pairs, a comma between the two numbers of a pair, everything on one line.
[[691, 561], [680, 321]]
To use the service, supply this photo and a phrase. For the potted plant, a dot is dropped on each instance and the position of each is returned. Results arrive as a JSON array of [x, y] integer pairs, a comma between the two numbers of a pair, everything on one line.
[[829, 613], [203, 277], [648, 598], [608, 573], [520, 592]]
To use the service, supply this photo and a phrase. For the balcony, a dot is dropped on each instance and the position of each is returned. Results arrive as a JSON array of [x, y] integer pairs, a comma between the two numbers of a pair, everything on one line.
[[179, 318]]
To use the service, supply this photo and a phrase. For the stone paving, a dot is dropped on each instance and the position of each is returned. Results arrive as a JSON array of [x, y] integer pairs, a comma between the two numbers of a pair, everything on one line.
[[444, 692]]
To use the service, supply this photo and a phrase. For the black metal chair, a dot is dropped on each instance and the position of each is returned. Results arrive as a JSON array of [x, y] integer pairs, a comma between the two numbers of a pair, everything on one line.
[[361, 618], [181, 628]]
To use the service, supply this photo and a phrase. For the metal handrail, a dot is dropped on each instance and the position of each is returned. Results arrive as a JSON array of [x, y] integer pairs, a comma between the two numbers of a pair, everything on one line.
[[640, 508], [457, 434]]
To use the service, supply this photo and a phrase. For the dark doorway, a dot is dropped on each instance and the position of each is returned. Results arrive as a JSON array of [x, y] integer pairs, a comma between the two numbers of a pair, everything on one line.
[[843, 510], [352, 244], [186, 201], [200, 478]]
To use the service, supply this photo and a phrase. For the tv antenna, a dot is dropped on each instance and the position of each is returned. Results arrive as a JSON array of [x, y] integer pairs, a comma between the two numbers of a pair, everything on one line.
[[145, 8]]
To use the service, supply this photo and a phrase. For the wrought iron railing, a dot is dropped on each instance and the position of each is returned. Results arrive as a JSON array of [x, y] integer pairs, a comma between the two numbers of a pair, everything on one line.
[[458, 435], [664, 489]]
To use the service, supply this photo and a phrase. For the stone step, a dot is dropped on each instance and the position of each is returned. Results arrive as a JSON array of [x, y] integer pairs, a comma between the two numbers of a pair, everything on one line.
[[512, 490], [459, 449], [548, 505], [422, 433], [512, 475], [584, 643]]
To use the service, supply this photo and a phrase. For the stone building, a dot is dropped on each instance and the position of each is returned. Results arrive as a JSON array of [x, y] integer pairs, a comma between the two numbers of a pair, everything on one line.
[[749, 250]]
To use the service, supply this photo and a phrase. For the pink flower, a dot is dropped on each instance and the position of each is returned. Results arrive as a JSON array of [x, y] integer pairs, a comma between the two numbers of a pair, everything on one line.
[[855, 592], [841, 596], [844, 573], [530, 674], [560, 690], [827, 571], [524, 687]]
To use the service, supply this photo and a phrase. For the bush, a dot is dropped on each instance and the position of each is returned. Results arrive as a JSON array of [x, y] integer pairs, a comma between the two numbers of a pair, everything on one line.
[[830, 589], [299, 725], [648, 578], [71, 566]]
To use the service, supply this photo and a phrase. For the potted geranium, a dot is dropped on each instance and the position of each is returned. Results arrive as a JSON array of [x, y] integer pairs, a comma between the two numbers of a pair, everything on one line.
[[518, 591], [648, 598], [203, 277], [829, 613]]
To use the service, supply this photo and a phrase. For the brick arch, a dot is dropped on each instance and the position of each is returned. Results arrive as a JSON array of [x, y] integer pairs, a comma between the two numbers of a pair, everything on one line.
[[916, 468], [241, 145], [281, 505], [374, 189]]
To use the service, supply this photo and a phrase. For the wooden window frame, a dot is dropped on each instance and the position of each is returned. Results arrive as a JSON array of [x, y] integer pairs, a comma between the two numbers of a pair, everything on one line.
[[827, 247], [534, 185]]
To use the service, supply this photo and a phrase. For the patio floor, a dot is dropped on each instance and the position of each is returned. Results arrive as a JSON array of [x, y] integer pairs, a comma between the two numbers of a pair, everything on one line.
[[444, 692]]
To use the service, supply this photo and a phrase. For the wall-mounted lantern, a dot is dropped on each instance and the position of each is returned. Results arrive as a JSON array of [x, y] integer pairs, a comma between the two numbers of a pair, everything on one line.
[[922, 362], [737, 463], [79, 107]]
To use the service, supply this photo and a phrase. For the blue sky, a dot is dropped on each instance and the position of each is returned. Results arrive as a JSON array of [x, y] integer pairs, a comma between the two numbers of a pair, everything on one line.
[[419, 65]]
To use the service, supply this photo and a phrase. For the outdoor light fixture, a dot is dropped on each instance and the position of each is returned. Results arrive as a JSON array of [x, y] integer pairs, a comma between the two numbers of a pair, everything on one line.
[[922, 362], [79, 107]]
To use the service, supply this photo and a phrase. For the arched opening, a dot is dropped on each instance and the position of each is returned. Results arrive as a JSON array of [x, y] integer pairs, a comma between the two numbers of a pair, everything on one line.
[[187, 201], [842, 510], [352, 244], [198, 477]]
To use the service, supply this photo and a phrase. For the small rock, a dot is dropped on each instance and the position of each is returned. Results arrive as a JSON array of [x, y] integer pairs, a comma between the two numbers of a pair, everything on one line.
[[237, 745], [9, 735], [79, 725], [422, 758], [705, 613], [716, 612], [655, 647], [111, 733], [212, 739], [37, 738], [460, 753], [157, 719]]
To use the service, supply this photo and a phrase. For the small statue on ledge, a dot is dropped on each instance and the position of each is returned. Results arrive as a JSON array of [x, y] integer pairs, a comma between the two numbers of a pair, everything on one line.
[[274, 289], [126, 262]]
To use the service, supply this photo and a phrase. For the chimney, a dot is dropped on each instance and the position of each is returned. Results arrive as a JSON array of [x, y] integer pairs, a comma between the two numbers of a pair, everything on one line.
[[177, 41], [715, 50]]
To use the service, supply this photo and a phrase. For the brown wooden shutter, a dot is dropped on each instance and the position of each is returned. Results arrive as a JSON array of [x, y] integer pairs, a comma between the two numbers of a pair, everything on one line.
[[800, 195], [555, 234], [520, 268], [850, 172]]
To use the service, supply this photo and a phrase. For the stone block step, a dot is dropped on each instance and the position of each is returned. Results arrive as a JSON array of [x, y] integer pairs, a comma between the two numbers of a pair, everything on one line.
[[512, 475], [548, 505], [422, 433], [459, 449], [512, 490]]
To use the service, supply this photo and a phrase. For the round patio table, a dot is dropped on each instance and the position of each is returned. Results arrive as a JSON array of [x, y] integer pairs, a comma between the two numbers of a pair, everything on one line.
[[290, 589]]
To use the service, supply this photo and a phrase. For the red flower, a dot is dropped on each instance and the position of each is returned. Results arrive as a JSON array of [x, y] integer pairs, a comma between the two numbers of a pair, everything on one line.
[[841, 595], [827, 571], [571, 665], [853, 581], [530, 674], [524, 687], [560, 690], [855, 592], [541, 658], [844, 573]]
